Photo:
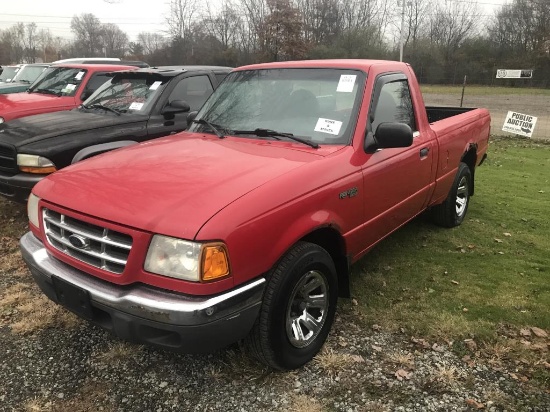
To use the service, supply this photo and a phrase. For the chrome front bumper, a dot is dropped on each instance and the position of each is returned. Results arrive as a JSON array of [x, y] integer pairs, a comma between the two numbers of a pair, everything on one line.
[[146, 314]]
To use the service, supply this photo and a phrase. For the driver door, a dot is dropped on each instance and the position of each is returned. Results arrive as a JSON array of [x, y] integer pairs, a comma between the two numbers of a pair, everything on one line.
[[396, 182]]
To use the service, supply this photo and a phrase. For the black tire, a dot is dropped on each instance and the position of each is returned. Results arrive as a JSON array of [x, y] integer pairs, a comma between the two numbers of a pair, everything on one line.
[[453, 210], [273, 340]]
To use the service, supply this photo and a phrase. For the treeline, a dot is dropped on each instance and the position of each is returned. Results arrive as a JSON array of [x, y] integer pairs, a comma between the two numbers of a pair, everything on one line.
[[443, 40]]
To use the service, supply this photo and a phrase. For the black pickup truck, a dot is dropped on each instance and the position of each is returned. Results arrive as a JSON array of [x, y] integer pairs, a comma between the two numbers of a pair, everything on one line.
[[133, 106]]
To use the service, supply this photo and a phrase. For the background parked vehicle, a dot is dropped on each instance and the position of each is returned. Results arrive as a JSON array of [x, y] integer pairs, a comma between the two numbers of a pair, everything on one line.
[[59, 87], [25, 76], [246, 225], [131, 107], [8, 73]]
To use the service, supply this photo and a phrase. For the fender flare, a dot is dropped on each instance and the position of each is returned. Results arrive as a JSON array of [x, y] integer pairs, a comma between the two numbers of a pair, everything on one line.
[[100, 148]]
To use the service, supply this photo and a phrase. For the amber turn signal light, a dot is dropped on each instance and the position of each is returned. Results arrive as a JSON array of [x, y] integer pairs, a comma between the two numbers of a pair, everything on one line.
[[38, 170], [215, 262]]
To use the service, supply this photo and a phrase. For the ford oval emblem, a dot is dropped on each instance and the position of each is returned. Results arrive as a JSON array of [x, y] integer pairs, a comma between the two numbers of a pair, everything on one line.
[[79, 242]]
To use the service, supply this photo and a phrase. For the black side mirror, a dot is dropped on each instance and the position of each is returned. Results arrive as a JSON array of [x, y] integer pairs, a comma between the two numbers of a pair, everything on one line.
[[389, 135], [176, 106]]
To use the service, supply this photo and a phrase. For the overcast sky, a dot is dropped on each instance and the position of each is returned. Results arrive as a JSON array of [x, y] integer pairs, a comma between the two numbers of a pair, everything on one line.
[[132, 16]]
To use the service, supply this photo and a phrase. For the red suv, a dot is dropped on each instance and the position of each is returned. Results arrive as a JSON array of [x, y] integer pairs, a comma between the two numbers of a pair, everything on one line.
[[60, 87]]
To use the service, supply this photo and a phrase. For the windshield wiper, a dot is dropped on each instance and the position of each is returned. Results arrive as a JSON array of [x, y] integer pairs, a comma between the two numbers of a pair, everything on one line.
[[46, 91], [100, 106], [273, 133], [214, 127]]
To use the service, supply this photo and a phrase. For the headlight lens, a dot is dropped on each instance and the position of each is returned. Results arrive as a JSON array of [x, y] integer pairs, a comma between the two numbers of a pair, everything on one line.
[[182, 259], [32, 210], [35, 164]]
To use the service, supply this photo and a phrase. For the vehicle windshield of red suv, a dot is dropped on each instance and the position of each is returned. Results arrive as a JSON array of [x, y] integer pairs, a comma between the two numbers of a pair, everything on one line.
[[132, 94], [315, 105], [59, 81]]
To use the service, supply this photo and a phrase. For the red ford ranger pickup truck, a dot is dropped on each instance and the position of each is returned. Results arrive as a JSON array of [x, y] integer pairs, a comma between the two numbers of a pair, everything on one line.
[[59, 87], [246, 225]]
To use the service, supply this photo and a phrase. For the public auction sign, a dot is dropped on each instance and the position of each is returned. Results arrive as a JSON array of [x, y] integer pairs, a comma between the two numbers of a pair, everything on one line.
[[518, 123]]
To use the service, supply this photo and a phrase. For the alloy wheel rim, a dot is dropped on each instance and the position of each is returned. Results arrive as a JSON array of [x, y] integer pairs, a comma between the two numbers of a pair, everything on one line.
[[307, 309], [461, 197]]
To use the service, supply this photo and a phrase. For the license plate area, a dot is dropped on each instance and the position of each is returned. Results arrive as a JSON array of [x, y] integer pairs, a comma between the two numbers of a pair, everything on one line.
[[73, 298]]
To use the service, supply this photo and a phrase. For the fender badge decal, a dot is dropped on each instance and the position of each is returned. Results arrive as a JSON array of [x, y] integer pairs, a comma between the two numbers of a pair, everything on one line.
[[348, 193]]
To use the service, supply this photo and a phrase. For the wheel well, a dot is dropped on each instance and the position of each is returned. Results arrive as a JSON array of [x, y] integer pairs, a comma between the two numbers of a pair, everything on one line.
[[470, 158], [331, 240]]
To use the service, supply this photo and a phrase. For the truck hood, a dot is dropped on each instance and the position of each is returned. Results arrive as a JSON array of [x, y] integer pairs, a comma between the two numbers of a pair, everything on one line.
[[12, 86], [31, 129], [22, 102], [173, 185]]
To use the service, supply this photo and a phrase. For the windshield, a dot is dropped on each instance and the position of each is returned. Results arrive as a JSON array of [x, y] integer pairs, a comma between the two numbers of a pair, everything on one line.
[[318, 105], [61, 81], [127, 94], [8, 73], [29, 74]]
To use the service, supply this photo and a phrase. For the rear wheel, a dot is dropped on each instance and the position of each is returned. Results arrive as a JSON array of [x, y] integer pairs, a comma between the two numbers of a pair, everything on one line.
[[298, 308], [453, 210]]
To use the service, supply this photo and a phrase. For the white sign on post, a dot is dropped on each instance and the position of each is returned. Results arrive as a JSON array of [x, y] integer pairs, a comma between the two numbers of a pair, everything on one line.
[[518, 123], [514, 74]]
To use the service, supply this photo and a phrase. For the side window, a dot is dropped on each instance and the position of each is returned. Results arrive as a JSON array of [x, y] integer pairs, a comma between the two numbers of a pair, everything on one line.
[[394, 105], [194, 90], [95, 81]]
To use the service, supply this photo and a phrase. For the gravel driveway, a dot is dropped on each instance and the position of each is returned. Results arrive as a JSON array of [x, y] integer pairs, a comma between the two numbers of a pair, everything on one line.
[[51, 361]]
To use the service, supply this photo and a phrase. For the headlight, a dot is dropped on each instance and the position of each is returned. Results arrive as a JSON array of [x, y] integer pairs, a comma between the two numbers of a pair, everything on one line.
[[181, 259], [35, 164], [32, 210]]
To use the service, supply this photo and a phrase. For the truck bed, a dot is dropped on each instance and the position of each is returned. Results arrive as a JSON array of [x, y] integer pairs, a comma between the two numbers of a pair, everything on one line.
[[436, 113]]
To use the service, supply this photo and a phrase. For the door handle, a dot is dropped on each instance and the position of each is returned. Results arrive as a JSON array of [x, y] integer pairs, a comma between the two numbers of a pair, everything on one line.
[[424, 151]]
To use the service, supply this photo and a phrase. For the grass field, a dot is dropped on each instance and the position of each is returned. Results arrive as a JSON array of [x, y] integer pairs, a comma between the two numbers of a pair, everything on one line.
[[468, 281], [446, 318], [477, 90]]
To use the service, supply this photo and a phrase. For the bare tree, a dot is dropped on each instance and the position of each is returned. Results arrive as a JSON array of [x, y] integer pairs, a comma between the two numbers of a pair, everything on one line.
[[88, 31], [182, 14], [254, 12], [151, 42], [522, 26], [30, 40], [322, 20], [451, 25], [224, 25], [417, 24], [115, 41]]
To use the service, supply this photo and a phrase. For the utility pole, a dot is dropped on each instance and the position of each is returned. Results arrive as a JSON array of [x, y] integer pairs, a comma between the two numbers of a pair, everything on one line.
[[402, 32]]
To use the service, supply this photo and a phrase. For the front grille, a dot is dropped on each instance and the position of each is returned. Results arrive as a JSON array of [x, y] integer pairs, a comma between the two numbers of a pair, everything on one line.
[[95, 245], [8, 159]]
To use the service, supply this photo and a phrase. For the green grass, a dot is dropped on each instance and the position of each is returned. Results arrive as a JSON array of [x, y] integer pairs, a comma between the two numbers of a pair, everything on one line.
[[496, 265], [476, 90]]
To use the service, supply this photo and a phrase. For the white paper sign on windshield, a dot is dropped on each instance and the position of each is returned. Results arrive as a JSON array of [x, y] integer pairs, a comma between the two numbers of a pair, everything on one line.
[[346, 83], [68, 88], [135, 106], [79, 75], [328, 126], [155, 86]]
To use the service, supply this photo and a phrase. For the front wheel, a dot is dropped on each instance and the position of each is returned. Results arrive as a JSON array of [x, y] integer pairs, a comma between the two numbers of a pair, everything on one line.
[[298, 308], [453, 210]]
